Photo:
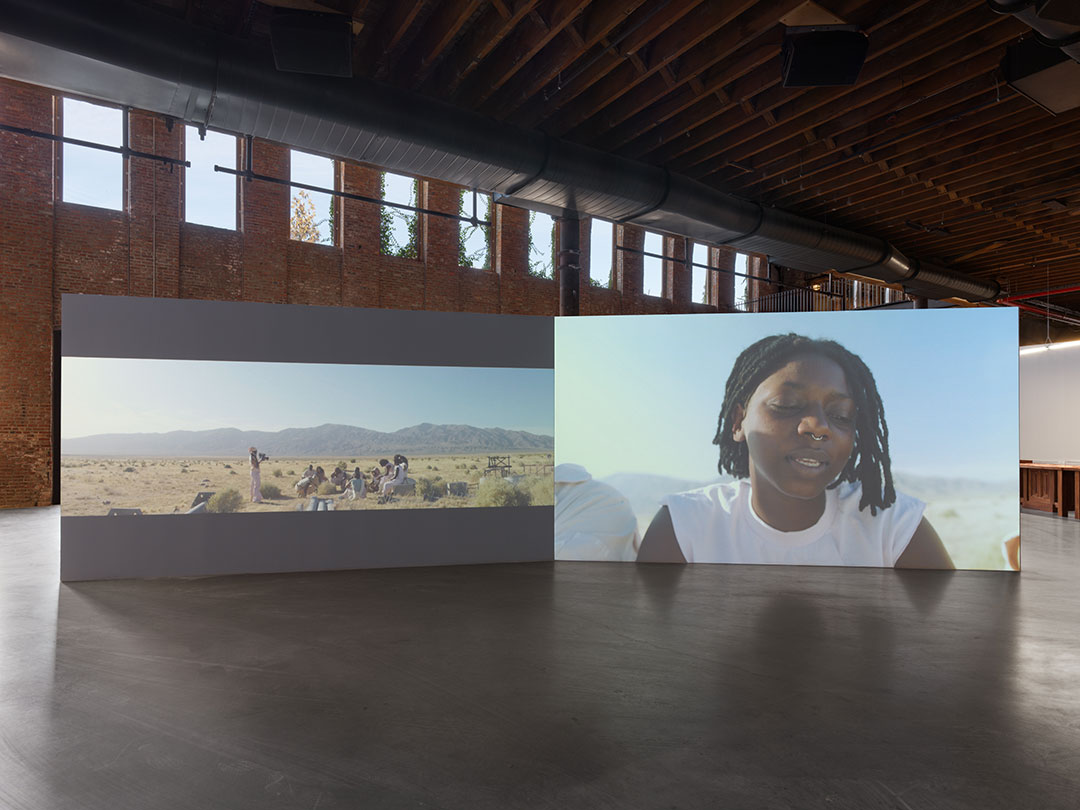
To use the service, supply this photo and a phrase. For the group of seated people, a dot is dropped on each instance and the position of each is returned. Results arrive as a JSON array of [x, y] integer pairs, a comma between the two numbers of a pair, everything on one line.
[[384, 479]]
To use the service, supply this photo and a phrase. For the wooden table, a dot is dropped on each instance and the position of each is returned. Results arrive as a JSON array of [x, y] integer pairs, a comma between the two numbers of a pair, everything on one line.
[[1050, 487]]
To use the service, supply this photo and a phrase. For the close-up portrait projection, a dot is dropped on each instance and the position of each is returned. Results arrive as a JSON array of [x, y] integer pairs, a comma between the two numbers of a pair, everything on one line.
[[885, 439]]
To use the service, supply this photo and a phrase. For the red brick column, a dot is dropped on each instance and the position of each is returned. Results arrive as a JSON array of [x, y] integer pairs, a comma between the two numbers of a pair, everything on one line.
[[360, 245], [440, 287], [722, 291], [512, 257], [26, 298], [264, 222], [678, 276], [629, 267]]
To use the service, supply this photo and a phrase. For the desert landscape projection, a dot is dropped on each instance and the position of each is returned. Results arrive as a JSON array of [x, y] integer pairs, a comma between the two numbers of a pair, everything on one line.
[[176, 437]]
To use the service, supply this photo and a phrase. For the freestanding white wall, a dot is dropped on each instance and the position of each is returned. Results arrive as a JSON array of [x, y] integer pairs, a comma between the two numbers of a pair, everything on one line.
[[1050, 404]]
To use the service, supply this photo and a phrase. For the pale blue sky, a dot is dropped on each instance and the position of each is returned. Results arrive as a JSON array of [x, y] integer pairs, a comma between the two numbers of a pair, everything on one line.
[[209, 196], [643, 393], [91, 176], [119, 395]]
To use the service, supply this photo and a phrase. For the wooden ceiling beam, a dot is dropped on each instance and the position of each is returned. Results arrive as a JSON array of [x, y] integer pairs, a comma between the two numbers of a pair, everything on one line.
[[992, 169], [957, 116], [827, 161], [987, 196], [888, 94], [798, 109], [387, 34], [516, 52], [702, 22], [475, 45], [587, 44], [837, 172], [750, 40], [660, 121], [620, 53], [440, 29], [879, 181], [718, 62]]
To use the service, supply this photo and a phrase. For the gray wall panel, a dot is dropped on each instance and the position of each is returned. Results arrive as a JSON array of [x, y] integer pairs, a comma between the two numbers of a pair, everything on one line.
[[178, 329], [193, 545]]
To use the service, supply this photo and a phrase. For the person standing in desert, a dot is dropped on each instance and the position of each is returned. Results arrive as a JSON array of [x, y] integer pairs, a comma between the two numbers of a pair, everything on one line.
[[256, 478]]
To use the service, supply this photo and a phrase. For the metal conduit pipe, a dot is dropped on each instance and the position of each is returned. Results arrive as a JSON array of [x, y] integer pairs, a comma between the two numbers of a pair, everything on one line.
[[130, 54]]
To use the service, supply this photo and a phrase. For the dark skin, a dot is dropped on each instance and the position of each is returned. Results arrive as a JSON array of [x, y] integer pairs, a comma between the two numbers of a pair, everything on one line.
[[799, 426]]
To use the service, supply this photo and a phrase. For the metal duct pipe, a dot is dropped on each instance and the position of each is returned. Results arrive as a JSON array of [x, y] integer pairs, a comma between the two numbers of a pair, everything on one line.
[[1051, 33], [130, 54]]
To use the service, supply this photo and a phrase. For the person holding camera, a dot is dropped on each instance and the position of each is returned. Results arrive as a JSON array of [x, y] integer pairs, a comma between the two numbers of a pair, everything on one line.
[[256, 479]]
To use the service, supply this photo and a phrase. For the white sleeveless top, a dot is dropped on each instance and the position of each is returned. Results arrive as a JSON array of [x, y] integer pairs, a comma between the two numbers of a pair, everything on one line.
[[717, 524]]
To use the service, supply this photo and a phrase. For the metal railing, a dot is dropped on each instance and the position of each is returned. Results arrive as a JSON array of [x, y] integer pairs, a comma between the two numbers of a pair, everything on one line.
[[835, 293]]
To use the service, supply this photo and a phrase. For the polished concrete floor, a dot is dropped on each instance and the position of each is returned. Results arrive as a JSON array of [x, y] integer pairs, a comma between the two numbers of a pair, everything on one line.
[[541, 686]]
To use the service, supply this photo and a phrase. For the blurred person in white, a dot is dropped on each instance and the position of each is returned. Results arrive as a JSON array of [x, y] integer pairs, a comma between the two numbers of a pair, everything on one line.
[[593, 520]]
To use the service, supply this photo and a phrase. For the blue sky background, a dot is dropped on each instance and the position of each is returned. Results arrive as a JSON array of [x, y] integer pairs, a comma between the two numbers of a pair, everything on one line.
[[642, 393], [119, 395]]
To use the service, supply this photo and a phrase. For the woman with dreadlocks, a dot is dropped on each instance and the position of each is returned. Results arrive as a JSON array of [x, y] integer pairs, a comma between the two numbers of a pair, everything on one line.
[[803, 429]]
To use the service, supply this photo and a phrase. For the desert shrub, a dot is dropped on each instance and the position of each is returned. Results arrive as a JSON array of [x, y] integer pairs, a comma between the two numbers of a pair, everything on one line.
[[228, 466], [183, 469], [291, 472], [277, 472], [430, 489], [270, 491], [352, 460], [232, 472], [228, 500], [541, 489], [500, 492], [326, 488], [472, 466], [433, 467], [129, 469]]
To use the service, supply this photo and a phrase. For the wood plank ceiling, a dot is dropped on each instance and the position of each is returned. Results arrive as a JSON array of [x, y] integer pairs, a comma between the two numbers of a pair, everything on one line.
[[930, 149]]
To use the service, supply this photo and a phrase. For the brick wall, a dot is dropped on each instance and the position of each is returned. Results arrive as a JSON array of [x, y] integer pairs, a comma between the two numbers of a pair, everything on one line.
[[48, 248]]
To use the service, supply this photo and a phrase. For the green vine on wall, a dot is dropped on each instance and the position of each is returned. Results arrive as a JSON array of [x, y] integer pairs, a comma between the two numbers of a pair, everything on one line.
[[541, 266], [481, 257], [389, 245]]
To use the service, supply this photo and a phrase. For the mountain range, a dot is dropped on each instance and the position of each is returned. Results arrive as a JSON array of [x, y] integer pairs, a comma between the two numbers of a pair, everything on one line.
[[324, 440]]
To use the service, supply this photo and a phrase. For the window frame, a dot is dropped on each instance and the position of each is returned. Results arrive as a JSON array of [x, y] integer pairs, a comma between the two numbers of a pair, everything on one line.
[[238, 207], [418, 185], [612, 253], [334, 223], [59, 157], [489, 230]]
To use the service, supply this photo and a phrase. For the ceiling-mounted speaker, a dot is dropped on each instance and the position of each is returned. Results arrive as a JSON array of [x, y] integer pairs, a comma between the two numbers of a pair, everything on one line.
[[823, 55], [1066, 11], [311, 42], [1045, 75]]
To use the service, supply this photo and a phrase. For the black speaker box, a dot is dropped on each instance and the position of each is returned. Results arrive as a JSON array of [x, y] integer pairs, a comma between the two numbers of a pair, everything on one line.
[[823, 56], [311, 42]]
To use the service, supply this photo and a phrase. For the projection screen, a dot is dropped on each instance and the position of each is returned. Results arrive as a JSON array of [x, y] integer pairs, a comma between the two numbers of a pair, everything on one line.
[[873, 438], [212, 437]]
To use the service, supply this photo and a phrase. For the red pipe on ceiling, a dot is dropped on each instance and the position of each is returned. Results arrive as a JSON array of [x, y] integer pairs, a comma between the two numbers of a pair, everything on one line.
[[1022, 296], [1052, 316]]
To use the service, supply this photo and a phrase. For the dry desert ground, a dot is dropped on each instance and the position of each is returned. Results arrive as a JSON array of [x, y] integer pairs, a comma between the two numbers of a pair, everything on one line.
[[92, 485]]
